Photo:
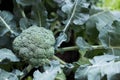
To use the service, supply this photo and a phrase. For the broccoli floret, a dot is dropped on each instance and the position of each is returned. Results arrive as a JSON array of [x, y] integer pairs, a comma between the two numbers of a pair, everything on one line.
[[35, 45]]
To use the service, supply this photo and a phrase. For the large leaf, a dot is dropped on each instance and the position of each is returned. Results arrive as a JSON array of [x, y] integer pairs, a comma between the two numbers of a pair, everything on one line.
[[97, 22], [116, 14], [111, 36], [7, 23], [77, 11], [108, 27], [99, 70], [7, 75], [6, 54], [50, 72], [103, 59]]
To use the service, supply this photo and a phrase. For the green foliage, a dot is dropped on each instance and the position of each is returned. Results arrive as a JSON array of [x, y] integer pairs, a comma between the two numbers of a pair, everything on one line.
[[91, 31], [82, 44], [101, 66], [75, 12]]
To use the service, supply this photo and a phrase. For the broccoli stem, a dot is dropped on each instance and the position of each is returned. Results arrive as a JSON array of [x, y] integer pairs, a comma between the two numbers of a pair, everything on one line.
[[61, 61], [26, 71], [72, 15], [73, 48]]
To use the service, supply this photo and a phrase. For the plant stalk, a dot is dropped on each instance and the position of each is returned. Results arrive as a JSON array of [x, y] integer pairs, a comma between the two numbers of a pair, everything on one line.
[[73, 48], [61, 61], [26, 71], [72, 15]]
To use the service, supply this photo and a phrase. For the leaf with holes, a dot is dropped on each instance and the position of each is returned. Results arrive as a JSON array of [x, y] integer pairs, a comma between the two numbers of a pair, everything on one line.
[[99, 69], [51, 72]]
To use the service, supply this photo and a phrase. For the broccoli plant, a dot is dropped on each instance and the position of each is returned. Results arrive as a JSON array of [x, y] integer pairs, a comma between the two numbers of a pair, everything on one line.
[[35, 45]]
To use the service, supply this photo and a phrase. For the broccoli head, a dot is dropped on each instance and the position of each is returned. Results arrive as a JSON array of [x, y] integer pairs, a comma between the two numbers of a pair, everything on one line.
[[35, 45]]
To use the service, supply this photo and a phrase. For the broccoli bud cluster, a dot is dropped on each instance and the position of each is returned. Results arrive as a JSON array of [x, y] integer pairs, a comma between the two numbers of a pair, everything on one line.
[[35, 45]]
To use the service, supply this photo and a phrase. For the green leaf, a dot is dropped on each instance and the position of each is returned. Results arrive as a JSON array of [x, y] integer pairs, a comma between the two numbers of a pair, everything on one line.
[[17, 72], [116, 14], [103, 59], [39, 14], [114, 51], [98, 70], [94, 9], [82, 44], [96, 23], [108, 27], [7, 54], [67, 7], [25, 23], [61, 38], [95, 52], [7, 23], [81, 73], [111, 36], [4, 75], [77, 11], [80, 18], [50, 72]]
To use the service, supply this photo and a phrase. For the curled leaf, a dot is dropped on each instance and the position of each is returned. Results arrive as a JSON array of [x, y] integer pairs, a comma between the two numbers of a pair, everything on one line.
[[61, 38]]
